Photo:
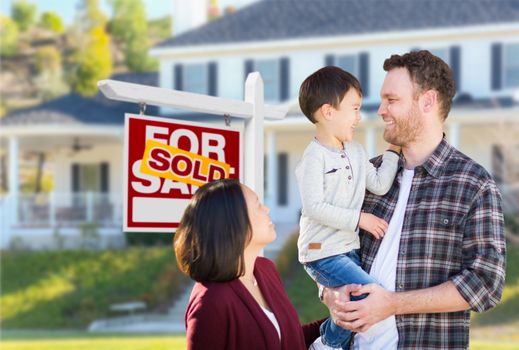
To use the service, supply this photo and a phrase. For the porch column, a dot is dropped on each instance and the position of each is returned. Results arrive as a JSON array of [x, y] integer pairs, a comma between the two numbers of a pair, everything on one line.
[[454, 135], [14, 178], [371, 143], [272, 169]]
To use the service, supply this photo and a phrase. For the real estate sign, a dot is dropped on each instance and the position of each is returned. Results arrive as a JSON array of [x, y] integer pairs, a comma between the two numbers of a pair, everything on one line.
[[166, 160]]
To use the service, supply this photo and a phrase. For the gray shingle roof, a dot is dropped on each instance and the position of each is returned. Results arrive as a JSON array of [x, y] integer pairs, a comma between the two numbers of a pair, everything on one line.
[[76, 109], [296, 19]]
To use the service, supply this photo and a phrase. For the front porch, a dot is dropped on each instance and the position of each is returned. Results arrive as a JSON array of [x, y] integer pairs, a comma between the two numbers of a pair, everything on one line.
[[61, 220]]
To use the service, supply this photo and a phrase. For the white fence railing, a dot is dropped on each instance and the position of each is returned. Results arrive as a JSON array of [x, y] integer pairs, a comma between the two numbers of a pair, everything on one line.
[[69, 209]]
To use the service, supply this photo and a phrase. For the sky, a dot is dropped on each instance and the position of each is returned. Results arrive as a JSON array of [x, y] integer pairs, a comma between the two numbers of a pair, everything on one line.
[[66, 9]]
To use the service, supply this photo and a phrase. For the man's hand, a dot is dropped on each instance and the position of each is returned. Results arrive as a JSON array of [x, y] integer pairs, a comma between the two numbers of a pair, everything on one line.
[[373, 224], [359, 316]]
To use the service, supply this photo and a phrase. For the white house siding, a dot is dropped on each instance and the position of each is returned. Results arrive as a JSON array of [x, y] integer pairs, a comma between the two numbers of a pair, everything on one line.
[[305, 59], [112, 153]]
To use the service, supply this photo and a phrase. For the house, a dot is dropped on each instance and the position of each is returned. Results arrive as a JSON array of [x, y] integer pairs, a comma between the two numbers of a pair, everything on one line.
[[285, 40], [82, 141]]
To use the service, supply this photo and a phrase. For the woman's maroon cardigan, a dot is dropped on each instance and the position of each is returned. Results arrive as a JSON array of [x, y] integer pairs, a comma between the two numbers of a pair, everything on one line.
[[226, 316]]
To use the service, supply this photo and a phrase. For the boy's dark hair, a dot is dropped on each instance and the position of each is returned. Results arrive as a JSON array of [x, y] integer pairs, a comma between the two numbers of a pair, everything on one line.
[[213, 232], [427, 72], [328, 85]]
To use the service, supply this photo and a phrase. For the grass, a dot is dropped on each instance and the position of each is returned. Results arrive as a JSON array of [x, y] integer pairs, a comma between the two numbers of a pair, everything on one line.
[[69, 289], [81, 340]]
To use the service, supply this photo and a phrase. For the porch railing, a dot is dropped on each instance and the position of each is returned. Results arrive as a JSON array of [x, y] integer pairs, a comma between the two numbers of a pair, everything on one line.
[[69, 209]]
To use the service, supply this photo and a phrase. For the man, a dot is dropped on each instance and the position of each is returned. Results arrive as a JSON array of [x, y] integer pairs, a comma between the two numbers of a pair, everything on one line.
[[444, 252]]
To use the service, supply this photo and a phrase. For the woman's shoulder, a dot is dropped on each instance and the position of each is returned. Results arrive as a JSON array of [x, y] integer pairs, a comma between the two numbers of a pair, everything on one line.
[[265, 264], [210, 291]]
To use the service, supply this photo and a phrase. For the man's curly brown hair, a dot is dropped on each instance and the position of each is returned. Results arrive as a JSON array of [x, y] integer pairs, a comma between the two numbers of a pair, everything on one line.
[[427, 72]]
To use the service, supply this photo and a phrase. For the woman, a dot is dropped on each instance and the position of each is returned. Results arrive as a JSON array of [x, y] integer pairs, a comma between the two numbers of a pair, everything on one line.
[[239, 301]]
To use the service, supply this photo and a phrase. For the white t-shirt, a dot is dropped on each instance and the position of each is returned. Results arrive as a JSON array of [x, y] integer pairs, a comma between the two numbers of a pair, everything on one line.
[[384, 334], [272, 319]]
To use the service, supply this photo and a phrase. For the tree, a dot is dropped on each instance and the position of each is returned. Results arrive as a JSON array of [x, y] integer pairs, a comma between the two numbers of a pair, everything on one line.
[[129, 26], [8, 37], [49, 79], [24, 14], [51, 21], [91, 60], [94, 63], [90, 16]]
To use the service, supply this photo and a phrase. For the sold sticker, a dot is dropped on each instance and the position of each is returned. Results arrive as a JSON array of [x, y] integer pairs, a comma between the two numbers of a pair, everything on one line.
[[176, 164]]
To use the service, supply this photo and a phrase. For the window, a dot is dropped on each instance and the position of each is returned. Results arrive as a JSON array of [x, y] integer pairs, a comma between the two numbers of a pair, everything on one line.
[[511, 66], [195, 78], [356, 64], [89, 178], [269, 70], [348, 63]]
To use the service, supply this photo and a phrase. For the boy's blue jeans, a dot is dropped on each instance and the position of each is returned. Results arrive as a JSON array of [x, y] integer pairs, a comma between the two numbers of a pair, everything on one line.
[[336, 271]]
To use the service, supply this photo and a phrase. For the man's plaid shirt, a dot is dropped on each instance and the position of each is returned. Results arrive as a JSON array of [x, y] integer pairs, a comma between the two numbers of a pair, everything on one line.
[[453, 230]]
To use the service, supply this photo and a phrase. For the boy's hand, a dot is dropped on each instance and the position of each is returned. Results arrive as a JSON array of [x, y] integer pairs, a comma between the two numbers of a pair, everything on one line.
[[394, 148], [373, 224]]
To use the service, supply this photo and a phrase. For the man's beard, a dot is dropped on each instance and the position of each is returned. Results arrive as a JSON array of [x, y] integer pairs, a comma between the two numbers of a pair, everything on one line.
[[406, 129]]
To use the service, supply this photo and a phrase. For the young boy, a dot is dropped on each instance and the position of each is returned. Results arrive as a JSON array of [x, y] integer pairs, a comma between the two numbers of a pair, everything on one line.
[[332, 177]]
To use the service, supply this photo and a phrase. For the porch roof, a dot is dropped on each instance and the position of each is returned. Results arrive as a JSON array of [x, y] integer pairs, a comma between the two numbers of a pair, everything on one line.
[[74, 109]]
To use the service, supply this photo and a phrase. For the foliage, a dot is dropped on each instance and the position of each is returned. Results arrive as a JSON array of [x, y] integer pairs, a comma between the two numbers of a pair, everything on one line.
[[29, 182], [149, 239], [160, 28], [47, 58], [69, 289], [512, 224], [51, 21], [508, 309], [287, 261], [93, 63], [129, 26], [8, 36], [90, 16], [301, 289], [24, 14]]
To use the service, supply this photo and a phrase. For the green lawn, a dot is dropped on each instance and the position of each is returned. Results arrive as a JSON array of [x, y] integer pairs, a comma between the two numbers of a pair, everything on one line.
[[80, 340], [63, 340], [69, 289]]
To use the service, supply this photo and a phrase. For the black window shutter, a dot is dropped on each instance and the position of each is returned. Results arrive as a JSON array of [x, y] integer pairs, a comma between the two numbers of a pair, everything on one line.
[[75, 178], [249, 67], [104, 170], [179, 81], [282, 179], [496, 69], [284, 79], [329, 60], [213, 78], [455, 57], [364, 72]]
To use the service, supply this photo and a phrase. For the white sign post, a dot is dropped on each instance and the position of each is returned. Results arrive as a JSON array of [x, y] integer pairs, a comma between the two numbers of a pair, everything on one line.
[[253, 110]]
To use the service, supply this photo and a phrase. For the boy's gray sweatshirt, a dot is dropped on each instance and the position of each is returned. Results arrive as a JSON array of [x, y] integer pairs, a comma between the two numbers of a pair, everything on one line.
[[332, 185]]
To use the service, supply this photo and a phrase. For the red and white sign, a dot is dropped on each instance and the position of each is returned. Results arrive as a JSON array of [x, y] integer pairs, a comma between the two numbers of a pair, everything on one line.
[[166, 161]]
